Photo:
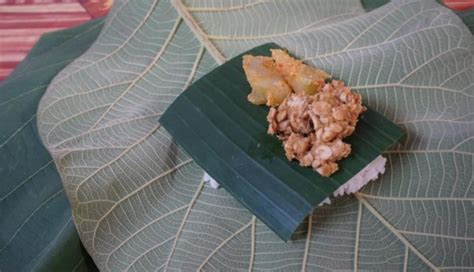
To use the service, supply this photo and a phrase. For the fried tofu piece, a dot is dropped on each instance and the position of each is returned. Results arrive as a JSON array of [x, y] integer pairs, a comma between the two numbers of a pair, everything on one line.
[[268, 86], [302, 78]]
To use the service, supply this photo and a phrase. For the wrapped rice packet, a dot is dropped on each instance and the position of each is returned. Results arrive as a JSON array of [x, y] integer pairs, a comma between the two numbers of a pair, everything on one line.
[[370, 173], [227, 136]]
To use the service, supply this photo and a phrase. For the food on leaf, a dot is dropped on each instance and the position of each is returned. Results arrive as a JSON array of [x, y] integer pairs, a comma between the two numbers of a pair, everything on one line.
[[222, 132], [301, 77], [268, 86], [312, 126], [311, 117]]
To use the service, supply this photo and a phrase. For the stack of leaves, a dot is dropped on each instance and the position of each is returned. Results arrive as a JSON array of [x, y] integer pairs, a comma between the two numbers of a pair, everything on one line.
[[136, 197], [37, 231]]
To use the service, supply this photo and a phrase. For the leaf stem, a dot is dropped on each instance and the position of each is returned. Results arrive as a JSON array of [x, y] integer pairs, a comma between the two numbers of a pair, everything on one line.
[[197, 30], [252, 245], [395, 231], [308, 242], [357, 239], [181, 227]]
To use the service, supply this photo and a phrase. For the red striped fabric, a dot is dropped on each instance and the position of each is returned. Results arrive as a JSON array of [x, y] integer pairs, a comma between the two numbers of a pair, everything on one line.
[[23, 21]]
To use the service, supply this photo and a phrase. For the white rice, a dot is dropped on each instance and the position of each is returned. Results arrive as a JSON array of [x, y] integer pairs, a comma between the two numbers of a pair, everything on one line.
[[366, 175], [210, 181]]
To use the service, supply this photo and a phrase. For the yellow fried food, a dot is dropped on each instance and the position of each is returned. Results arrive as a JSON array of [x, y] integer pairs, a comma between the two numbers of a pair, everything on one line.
[[268, 86], [301, 77]]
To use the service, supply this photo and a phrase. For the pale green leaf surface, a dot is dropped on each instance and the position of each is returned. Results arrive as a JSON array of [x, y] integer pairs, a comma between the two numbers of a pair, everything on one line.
[[138, 200]]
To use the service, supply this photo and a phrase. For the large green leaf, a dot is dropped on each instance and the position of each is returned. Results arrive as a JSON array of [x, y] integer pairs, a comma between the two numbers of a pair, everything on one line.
[[468, 18], [227, 136], [373, 4], [137, 198], [37, 232]]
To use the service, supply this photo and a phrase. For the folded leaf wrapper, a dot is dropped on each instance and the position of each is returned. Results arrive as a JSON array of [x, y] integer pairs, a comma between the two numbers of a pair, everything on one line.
[[226, 135]]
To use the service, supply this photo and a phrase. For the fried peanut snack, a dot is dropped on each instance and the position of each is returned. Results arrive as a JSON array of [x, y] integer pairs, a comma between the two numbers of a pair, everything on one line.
[[312, 127]]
